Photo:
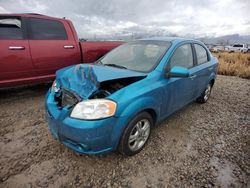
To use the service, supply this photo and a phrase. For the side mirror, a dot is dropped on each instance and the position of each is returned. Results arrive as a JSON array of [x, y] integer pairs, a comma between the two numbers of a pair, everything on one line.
[[179, 72]]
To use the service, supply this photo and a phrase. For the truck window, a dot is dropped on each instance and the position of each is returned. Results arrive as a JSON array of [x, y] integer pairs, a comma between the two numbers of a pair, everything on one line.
[[10, 28], [238, 45], [42, 29], [201, 54]]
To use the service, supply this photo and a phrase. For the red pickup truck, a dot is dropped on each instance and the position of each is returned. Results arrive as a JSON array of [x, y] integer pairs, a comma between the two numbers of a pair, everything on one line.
[[33, 47]]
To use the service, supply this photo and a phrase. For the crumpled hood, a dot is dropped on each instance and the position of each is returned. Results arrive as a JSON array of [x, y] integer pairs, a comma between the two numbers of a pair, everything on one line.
[[84, 79]]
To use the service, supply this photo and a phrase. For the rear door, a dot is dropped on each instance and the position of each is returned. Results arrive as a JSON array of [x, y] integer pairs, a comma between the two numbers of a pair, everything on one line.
[[203, 68], [52, 45], [15, 60]]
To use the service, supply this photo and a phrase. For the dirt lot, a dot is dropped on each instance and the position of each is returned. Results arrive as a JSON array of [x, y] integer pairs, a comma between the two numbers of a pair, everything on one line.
[[201, 145]]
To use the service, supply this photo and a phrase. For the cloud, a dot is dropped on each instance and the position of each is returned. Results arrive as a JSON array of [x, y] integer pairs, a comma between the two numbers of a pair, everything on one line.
[[3, 10], [114, 17]]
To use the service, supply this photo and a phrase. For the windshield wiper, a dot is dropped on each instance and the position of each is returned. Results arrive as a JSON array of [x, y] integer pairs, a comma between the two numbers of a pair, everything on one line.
[[115, 65]]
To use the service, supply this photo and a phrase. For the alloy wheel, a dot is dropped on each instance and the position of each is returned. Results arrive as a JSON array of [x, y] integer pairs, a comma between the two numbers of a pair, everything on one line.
[[207, 92], [139, 135]]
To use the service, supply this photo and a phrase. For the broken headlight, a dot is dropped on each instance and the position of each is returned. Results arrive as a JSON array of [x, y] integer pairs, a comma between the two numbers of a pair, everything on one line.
[[94, 109], [55, 86]]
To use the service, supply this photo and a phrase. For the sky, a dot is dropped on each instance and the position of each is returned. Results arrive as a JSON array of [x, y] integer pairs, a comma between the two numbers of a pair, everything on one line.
[[98, 18]]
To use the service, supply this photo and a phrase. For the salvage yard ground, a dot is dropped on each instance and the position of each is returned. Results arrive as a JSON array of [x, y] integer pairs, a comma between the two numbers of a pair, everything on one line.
[[201, 145]]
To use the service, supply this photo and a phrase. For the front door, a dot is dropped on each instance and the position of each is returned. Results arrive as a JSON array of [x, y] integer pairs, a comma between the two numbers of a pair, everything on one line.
[[180, 91]]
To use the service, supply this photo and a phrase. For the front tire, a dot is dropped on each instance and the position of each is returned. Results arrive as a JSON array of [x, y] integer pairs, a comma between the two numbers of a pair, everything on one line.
[[136, 134], [205, 95]]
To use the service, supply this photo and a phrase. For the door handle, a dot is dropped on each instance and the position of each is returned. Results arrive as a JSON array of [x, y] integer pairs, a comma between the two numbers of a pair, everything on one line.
[[192, 76], [68, 47], [16, 47]]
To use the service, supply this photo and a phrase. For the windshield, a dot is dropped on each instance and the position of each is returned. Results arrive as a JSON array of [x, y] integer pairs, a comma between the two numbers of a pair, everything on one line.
[[140, 56]]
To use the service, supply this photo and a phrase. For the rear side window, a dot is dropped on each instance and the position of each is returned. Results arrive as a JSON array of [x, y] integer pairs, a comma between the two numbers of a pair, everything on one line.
[[42, 29], [183, 57], [201, 54], [10, 28]]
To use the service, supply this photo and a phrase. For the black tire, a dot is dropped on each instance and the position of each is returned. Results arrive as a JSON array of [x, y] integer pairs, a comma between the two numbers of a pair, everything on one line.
[[124, 145], [203, 98]]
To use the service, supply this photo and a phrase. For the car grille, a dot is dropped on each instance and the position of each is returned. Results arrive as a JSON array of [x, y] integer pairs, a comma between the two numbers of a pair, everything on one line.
[[66, 98]]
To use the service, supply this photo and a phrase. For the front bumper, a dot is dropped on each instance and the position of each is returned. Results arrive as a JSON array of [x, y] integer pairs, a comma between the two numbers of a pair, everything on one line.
[[83, 136]]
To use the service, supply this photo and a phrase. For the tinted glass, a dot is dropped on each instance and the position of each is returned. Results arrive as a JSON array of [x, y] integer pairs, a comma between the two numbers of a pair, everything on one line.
[[10, 28], [238, 45], [201, 54], [139, 56], [183, 57], [42, 29]]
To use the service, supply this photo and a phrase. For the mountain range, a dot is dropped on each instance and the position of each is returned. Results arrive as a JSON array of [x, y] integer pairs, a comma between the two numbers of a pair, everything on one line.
[[130, 35], [227, 39]]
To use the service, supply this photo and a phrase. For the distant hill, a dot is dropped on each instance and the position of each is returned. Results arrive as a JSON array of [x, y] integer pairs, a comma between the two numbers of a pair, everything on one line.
[[227, 39]]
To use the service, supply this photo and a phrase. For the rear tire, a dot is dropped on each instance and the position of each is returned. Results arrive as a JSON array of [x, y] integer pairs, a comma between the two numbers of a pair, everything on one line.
[[136, 134], [205, 95]]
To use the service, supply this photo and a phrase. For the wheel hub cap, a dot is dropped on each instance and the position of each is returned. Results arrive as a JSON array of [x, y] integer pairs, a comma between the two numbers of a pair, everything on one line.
[[139, 135], [207, 93]]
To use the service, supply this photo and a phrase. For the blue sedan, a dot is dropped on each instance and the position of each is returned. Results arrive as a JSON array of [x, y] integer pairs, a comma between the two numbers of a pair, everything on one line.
[[114, 103]]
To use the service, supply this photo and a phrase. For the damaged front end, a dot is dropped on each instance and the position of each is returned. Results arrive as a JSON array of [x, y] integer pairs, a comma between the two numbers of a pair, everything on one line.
[[108, 87], [84, 82]]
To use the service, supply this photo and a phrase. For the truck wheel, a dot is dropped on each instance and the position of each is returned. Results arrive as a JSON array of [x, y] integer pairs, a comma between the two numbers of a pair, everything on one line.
[[136, 134], [205, 95]]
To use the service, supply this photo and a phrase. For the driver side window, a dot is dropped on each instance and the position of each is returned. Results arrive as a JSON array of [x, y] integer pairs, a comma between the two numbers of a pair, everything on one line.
[[183, 57]]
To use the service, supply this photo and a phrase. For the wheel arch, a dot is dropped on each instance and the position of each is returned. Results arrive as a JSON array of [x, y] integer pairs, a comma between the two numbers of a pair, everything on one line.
[[149, 111], [133, 112], [212, 81], [152, 113]]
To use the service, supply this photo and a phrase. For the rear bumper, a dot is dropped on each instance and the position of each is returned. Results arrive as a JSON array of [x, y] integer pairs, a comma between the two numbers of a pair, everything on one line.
[[88, 137]]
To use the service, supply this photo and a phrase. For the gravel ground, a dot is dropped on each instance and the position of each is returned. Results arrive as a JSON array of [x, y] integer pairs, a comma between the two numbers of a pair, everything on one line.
[[201, 145]]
